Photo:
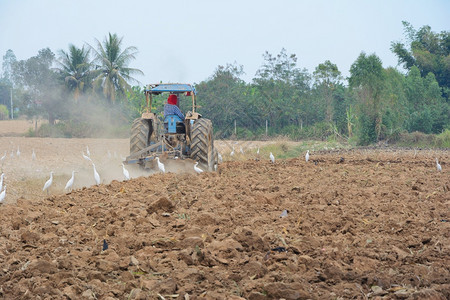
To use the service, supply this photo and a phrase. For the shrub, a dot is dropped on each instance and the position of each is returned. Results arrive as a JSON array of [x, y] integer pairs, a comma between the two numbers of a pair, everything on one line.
[[4, 113], [366, 130], [421, 121], [442, 140]]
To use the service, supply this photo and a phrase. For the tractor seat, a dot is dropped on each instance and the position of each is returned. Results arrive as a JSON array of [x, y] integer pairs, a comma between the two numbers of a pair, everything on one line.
[[173, 124]]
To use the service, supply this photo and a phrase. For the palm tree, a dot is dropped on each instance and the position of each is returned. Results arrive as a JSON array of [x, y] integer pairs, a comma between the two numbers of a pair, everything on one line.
[[75, 68], [112, 72]]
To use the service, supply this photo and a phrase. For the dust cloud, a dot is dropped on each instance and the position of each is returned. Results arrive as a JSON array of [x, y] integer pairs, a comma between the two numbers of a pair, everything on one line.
[[25, 177]]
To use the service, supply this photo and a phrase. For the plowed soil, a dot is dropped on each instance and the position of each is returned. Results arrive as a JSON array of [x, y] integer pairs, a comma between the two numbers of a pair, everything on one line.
[[356, 225]]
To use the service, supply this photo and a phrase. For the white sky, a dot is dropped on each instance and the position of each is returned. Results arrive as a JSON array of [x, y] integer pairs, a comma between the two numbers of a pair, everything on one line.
[[184, 41]]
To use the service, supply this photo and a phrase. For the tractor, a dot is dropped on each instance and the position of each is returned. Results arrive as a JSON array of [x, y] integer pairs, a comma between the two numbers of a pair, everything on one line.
[[172, 137]]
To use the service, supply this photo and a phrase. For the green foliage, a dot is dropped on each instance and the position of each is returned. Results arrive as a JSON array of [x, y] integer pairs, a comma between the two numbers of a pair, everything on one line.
[[428, 111], [75, 68], [4, 112], [367, 80], [9, 59], [279, 87], [40, 85], [222, 98], [94, 98], [136, 102], [112, 72], [426, 50], [421, 121], [366, 130], [327, 73]]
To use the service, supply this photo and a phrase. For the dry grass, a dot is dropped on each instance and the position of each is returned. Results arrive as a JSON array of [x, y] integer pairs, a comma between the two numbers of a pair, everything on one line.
[[18, 127]]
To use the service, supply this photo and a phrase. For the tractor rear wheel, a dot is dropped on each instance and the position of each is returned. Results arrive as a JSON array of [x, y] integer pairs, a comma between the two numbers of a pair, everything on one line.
[[140, 135], [202, 145]]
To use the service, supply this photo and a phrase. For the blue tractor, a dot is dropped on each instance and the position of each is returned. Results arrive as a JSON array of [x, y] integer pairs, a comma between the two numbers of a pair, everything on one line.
[[172, 137]]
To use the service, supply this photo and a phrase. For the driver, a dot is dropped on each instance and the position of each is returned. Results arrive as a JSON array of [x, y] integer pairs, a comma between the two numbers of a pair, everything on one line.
[[171, 108]]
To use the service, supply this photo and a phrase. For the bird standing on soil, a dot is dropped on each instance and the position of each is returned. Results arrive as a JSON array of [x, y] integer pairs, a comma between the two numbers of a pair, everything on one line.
[[33, 155], [232, 152], [86, 157], [220, 157], [438, 166], [307, 156], [272, 158], [161, 166], [126, 174], [18, 151], [197, 169], [48, 183], [3, 195], [87, 151], [96, 176], [69, 183], [257, 151]]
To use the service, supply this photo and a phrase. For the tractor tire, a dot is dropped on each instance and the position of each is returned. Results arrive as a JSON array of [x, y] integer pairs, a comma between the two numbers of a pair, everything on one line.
[[202, 145], [140, 135]]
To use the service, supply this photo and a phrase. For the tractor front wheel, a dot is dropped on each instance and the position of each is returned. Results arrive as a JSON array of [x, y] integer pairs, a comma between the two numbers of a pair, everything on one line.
[[202, 145]]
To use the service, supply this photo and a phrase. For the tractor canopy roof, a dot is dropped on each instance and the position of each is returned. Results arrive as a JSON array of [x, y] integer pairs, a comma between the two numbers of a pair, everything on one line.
[[170, 88]]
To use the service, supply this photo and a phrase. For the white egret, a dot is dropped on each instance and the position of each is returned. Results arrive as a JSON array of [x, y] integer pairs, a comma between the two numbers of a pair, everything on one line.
[[257, 151], [18, 151], [242, 150], [438, 166], [96, 175], [87, 151], [33, 155], [48, 183], [232, 152], [197, 169], [126, 174], [86, 157], [3, 195], [1, 180], [161, 166], [220, 157], [272, 158], [307, 156], [69, 183]]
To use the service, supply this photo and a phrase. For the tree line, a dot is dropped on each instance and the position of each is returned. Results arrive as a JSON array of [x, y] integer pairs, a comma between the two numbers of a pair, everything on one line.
[[377, 103], [372, 104], [83, 87]]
